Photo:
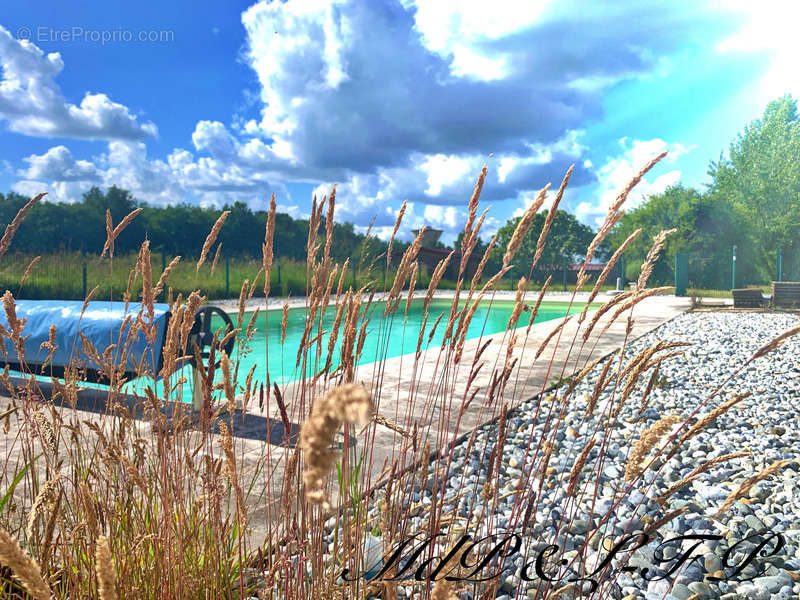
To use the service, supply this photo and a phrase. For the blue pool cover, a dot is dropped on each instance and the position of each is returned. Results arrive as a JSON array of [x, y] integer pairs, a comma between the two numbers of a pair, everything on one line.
[[101, 323]]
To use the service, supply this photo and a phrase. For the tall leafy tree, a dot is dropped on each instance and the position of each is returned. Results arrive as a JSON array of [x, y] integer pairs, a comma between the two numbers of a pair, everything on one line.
[[566, 242], [761, 178], [707, 227]]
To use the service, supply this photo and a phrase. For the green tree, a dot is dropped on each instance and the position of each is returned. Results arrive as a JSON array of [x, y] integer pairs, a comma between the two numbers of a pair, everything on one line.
[[243, 231], [707, 227], [566, 242], [761, 179], [92, 213], [176, 230]]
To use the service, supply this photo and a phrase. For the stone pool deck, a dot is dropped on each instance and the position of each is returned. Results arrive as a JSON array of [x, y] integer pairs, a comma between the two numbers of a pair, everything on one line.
[[440, 421], [436, 418]]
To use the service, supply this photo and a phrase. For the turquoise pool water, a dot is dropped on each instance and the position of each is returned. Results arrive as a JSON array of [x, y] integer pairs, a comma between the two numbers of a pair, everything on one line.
[[387, 337]]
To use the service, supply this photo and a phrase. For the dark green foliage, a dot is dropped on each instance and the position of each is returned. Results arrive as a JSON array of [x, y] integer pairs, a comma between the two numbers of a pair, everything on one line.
[[566, 243], [761, 180], [707, 229], [175, 230]]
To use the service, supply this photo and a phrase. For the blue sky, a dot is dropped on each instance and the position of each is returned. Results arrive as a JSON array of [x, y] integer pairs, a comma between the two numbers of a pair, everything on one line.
[[209, 102]]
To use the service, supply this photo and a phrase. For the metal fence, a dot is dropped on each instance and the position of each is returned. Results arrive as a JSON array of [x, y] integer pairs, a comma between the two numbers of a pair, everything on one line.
[[787, 265], [51, 276], [71, 276]]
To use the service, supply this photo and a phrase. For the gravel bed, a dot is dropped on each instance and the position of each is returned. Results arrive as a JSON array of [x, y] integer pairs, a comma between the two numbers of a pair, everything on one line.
[[765, 425]]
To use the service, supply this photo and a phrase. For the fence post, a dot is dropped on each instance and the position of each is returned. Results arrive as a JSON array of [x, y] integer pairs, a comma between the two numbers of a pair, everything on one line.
[[733, 269], [622, 270], [564, 277], [681, 273], [227, 276], [164, 268], [779, 266], [85, 291]]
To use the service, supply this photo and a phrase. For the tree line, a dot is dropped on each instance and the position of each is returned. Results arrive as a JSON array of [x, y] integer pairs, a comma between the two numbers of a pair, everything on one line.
[[180, 230], [176, 230]]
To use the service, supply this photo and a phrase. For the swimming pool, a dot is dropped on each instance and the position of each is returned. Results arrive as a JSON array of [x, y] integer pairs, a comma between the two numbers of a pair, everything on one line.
[[387, 337]]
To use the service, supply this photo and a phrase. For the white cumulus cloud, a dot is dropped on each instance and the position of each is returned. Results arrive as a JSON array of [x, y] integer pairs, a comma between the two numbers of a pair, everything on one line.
[[32, 103], [619, 170], [57, 164]]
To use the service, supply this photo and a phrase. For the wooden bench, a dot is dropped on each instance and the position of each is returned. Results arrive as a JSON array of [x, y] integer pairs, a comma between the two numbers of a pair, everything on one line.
[[786, 294], [748, 298]]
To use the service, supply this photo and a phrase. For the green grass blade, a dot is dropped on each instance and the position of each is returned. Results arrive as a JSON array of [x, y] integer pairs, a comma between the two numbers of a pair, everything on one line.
[[17, 478]]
